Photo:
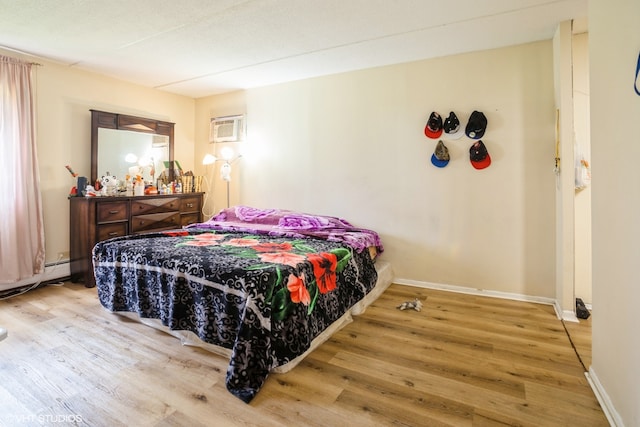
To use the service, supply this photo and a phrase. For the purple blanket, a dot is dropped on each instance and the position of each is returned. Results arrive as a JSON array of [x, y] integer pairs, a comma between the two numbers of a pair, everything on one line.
[[284, 223]]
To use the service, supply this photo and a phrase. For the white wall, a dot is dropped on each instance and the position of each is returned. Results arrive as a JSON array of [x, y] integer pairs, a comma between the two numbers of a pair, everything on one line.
[[582, 202], [227, 104], [353, 145], [565, 173], [614, 45]]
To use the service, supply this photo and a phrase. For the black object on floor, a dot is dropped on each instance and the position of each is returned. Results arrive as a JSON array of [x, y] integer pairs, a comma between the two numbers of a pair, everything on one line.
[[581, 309]]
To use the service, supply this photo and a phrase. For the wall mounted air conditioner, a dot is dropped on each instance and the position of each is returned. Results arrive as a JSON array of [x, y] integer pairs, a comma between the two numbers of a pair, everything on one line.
[[227, 129]]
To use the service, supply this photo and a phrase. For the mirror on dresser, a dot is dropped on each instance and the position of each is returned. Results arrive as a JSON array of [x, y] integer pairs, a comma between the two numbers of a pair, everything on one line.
[[96, 218], [122, 143]]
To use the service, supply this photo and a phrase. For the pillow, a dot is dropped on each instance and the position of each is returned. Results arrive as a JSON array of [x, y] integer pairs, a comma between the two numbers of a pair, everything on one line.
[[282, 218]]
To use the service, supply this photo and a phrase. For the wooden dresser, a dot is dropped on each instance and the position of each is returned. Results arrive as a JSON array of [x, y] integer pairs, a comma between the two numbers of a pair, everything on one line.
[[93, 219]]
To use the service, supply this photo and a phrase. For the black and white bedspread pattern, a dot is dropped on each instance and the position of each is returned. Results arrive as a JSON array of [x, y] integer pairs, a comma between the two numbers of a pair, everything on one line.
[[265, 298]]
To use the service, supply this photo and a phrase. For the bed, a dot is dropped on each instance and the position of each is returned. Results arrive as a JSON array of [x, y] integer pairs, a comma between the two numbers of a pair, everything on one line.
[[264, 287]]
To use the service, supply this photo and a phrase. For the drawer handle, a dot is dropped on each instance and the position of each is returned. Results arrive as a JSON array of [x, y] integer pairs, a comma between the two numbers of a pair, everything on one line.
[[113, 212], [141, 222], [113, 233], [189, 205]]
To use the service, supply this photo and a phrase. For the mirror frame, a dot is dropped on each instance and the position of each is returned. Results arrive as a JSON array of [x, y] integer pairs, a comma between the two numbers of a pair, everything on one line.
[[103, 119]]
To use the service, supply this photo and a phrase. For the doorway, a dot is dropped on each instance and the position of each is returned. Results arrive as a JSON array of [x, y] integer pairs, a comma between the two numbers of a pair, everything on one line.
[[582, 202]]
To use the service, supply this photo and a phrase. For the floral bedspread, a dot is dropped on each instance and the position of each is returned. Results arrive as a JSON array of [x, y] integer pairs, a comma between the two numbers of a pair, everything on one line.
[[280, 222], [264, 297]]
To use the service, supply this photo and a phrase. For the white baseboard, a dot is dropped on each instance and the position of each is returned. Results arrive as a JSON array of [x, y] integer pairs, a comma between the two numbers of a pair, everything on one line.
[[567, 315], [53, 271], [603, 398], [557, 309], [570, 316], [480, 292]]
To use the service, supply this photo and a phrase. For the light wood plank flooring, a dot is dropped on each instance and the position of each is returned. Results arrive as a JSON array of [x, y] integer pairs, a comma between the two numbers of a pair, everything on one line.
[[580, 335], [462, 361]]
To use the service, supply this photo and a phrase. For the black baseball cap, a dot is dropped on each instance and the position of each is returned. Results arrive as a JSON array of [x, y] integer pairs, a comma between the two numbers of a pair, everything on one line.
[[477, 125], [479, 156], [433, 129], [452, 127]]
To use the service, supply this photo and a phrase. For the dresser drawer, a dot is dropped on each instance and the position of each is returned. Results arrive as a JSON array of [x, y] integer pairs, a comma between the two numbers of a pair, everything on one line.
[[156, 221], [190, 204], [112, 211], [190, 218], [150, 205], [107, 231], [93, 219]]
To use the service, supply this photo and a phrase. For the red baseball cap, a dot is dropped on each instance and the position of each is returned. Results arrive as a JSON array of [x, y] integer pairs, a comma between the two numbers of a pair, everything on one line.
[[433, 129], [479, 156]]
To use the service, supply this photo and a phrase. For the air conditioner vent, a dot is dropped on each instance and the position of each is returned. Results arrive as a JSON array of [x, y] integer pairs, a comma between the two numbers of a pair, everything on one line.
[[227, 129]]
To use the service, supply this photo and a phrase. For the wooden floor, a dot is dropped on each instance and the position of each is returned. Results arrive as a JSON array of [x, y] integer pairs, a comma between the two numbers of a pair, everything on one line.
[[462, 361], [580, 336]]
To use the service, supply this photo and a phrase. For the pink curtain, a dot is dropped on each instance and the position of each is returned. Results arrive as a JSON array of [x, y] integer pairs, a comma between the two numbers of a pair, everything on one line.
[[22, 252]]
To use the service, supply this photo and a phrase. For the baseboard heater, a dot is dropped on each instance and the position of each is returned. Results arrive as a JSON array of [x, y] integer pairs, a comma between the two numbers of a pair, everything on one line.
[[54, 271]]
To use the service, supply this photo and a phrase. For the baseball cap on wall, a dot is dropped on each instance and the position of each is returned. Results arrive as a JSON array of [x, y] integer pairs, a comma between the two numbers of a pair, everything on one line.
[[433, 129], [477, 125], [440, 156], [479, 156], [452, 127]]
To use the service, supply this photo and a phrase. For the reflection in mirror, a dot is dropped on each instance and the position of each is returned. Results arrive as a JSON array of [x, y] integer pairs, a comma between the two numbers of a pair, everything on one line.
[[123, 153], [118, 139]]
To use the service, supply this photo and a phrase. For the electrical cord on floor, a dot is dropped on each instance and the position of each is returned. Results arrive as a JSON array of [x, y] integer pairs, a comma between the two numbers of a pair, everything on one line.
[[35, 285], [573, 346]]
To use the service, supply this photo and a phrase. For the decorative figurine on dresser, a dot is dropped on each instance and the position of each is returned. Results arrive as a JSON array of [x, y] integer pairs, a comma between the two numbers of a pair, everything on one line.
[[126, 145]]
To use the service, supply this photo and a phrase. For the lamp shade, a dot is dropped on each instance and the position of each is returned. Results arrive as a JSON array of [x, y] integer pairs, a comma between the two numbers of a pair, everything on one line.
[[227, 153], [131, 158], [209, 159]]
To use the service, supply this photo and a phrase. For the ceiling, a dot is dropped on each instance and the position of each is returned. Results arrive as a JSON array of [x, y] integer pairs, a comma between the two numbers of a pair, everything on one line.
[[204, 47]]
